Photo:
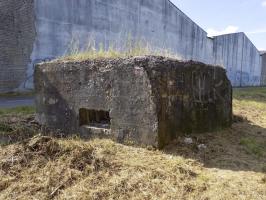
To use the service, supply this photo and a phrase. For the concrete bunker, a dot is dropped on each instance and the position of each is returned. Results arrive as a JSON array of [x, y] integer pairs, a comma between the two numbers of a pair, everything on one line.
[[146, 100]]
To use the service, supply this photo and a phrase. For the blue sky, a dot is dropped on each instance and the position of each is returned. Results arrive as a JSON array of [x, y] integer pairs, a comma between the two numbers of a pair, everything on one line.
[[228, 16]]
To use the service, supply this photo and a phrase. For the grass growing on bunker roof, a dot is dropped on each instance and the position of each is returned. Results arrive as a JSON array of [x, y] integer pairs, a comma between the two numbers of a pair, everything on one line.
[[77, 53]]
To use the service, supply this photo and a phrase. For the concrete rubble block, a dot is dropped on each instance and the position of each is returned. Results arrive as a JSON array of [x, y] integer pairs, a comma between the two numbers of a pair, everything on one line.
[[145, 100]]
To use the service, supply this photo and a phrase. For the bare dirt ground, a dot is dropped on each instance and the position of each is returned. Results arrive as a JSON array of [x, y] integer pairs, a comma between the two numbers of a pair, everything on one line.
[[224, 165]]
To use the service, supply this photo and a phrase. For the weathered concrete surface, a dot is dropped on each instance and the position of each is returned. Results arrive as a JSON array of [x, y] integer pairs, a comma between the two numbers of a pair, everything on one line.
[[17, 35], [157, 22], [263, 69], [150, 100], [240, 57]]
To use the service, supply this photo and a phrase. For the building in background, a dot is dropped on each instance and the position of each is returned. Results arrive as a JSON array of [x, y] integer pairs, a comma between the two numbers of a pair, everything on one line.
[[34, 31], [263, 69], [240, 57]]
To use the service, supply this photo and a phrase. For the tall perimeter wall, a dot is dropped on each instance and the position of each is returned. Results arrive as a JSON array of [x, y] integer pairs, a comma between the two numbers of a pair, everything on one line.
[[240, 57], [47, 28], [17, 36], [263, 70]]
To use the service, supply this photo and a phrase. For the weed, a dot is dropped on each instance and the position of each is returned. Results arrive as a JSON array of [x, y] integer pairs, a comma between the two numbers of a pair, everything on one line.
[[203, 177], [131, 48], [18, 94], [5, 128], [252, 146], [251, 93], [18, 110]]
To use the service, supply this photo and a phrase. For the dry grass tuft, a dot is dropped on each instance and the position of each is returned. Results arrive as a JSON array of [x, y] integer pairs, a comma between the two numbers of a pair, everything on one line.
[[49, 168], [130, 48], [251, 103], [15, 125]]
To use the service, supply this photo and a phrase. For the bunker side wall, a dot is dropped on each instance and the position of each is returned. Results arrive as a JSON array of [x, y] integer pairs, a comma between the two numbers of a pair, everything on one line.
[[17, 34], [190, 98]]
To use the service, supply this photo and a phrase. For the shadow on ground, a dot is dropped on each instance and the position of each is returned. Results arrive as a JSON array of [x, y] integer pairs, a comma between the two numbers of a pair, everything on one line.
[[240, 148]]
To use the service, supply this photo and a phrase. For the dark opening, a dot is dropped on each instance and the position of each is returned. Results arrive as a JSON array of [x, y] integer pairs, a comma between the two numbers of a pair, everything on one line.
[[96, 118]]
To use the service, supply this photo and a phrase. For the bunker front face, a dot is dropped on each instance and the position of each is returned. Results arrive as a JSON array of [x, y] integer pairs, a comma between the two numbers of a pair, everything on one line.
[[142, 100]]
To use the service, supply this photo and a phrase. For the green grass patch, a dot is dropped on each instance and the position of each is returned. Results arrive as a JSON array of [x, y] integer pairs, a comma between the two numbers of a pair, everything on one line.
[[5, 128], [251, 100], [18, 110], [254, 147], [250, 93], [18, 94]]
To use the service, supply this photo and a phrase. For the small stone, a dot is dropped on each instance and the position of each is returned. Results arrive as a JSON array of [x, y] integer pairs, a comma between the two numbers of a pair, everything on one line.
[[202, 147], [188, 141]]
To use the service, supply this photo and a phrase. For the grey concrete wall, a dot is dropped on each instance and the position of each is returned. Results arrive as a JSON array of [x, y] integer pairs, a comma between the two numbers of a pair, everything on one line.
[[157, 22], [122, 89], [263, 69], [240, 57], [17, 36]]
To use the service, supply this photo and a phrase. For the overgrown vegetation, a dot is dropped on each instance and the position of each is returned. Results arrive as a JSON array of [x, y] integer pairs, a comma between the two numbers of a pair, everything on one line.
[[15, 126], [24, 110], [17, 94], [250, 93], [5, 128], [231, 167], [253, 146], [131, 48]]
